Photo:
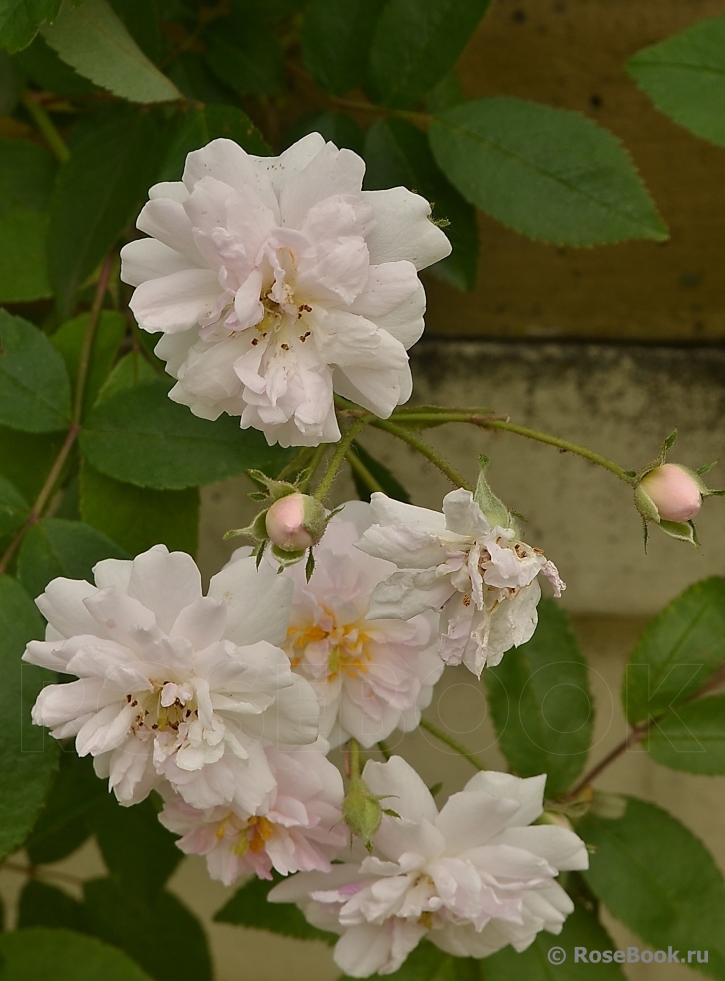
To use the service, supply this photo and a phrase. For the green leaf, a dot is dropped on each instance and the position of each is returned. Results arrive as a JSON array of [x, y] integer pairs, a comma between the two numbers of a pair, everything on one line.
[[398, 153], [147, 931], [68, 340], [655, 876], [99, 190], [23, 267], [581, 929], [692, 738], [191, 74], [387, 480], [140, 436], [140, 854], [249, 907], [94, 41], [244, 54], [34, 385], [448, 92], [684, 76], [20, 20], [336, 39], [677, 652], [416, 43], [132, 369], [428, 963], [541, 703], [141, 19], [200, 126], [47, 70], [550, 173], [26, 458], [27, 172], [13, 508], [62, 955], [64, 823], [43, 905], [137, 519], [27, 754], [55, 547], [336, 127]]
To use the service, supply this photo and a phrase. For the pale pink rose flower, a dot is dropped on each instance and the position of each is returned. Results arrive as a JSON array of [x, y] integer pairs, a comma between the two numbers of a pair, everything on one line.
[[299, 829], [371, 676], [482, 579], [172, 684], [277, 280], [471, 879]]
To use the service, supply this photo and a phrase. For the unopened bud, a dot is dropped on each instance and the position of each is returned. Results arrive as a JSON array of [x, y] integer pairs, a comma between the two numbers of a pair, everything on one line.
[[675, 492], [362, 812], [295, 522]]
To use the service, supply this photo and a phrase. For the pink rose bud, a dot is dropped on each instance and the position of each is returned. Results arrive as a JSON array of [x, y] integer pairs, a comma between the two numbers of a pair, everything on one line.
[[674, 491], [296, 522]]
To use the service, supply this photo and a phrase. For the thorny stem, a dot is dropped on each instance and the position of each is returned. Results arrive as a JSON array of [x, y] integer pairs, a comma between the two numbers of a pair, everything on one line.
[[358, 467], [453, 743], [56, 470], [46, 126], [491, 422], [425, 450], [636, 734], [334, 465], [84, 360]]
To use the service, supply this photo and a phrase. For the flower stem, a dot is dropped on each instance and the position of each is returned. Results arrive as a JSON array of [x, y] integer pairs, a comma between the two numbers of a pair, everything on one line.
[[453, 743], [84, 360], [46, 126], [46, 491], [335, 463], [353, 749], [489, 422], [384, 749], [425, 450], [359, 468], [314, 463]]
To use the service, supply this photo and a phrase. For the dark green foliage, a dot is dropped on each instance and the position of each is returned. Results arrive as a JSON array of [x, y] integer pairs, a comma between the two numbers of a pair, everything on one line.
[[43, 905], [34, 385], [658, 879], [63, 955], [691, 738], [336, 39], [387, 480], [541, 704], [28, 757]]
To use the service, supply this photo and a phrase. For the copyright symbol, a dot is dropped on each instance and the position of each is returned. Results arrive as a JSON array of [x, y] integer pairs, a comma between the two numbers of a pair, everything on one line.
[[556, 955]]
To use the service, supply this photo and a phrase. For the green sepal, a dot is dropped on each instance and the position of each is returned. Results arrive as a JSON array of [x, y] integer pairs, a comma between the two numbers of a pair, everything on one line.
[[683, 531], [494, 510], [257, 530], [309, 565], [287, 558], [276, 489]]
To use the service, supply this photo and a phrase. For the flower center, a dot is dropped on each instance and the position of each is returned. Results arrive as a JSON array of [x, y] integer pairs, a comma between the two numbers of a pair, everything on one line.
[[249, 836], [164, 709], [343, 648]]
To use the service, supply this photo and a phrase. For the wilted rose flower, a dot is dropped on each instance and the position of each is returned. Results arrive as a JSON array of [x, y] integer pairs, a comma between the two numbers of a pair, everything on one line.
[[481, 578], [372, 676], [172, 684], [471, 879], [276, 280], [299, 829]]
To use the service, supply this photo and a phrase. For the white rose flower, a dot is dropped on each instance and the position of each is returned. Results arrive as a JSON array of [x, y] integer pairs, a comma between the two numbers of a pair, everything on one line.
[[472, 878], [482, 579], [172, 684], [299, 829], [371, 676], [276, 280]]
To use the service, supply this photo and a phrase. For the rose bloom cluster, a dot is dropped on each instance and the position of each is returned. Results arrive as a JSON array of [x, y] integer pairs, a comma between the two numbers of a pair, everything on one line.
[[227, 705], [274, 282]]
